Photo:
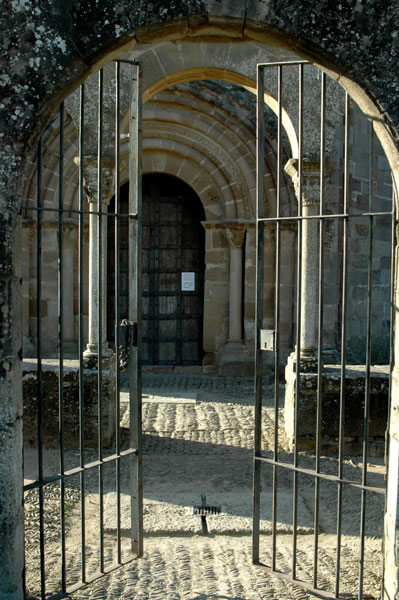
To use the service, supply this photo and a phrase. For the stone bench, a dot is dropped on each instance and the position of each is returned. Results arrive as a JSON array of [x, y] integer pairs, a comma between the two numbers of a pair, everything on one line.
[[354, 407], [50, 406]]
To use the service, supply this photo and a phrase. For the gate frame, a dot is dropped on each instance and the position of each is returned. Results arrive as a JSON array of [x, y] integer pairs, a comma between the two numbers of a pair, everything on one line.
[[132, 455], [261, 220]]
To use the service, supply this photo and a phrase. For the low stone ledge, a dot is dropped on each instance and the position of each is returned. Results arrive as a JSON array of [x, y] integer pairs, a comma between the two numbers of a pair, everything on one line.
[[355, 377], [50, 405]]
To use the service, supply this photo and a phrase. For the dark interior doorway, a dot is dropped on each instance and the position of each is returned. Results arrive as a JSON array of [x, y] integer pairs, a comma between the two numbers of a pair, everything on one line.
[[173, 251]]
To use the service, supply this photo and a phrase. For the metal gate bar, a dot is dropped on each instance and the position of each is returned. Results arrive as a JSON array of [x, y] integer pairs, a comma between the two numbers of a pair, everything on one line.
[[345, 217], [319, 399], [135, 384], [61, 343], [298, 317], [131, 455], [343, 343], [117, 312], [81, 340]]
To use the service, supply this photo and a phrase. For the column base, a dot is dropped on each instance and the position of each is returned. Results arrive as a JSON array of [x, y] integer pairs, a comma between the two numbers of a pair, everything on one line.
[[209, 363], [235, 360], [90, 356], [308, 360]]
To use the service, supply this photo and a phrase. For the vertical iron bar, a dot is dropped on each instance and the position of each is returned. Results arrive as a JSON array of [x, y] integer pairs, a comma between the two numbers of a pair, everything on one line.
[[135, 309], [277, 316], [81, 340], [343, 341], [260, 241], [368, 363], [179, 321], [117, 311], [39, 364], [61, 343], [320, 331], [298, 314], [155, 297], [100, 311]]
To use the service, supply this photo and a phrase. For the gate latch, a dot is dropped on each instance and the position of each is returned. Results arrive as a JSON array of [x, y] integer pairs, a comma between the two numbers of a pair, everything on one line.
[[128, 340], [267, 339]]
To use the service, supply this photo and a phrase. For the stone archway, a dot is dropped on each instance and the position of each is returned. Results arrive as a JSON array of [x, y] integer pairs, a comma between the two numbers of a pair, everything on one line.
[[52, 62]]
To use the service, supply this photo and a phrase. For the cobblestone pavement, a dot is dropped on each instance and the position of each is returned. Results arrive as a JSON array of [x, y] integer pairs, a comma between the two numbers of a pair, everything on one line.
[[204, 447]]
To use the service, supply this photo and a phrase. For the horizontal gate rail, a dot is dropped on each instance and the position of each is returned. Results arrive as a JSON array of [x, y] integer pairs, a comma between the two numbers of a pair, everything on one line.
[[70, 472], [318, 475], [328, 216], [75, 211]]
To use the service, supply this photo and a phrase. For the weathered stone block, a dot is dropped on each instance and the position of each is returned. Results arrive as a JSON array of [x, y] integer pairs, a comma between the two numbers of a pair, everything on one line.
[[50, 407], [354, 407]]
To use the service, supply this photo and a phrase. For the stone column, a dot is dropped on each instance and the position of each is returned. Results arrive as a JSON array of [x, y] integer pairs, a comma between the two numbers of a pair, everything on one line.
[[304, 407], [234, 357], [91, 191], [310, 203], [235, 237]]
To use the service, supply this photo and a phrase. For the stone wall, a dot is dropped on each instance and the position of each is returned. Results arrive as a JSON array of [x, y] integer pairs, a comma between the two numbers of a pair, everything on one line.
[[71, 400], [355, 377]]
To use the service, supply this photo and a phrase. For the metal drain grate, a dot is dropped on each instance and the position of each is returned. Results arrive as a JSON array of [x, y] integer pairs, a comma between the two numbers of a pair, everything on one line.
[[207, 510]]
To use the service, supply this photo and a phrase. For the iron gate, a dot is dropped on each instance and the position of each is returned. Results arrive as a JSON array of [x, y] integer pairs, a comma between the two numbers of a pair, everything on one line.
[[330, 481], [83, 409]]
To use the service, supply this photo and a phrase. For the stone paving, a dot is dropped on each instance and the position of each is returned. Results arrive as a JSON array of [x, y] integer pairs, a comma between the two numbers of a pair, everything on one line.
[[198, 440]]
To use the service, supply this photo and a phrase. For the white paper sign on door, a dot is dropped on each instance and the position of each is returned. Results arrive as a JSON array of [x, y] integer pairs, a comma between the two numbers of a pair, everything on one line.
[[188, 282]]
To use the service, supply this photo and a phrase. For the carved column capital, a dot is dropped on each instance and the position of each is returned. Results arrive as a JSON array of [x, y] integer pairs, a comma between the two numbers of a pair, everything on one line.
[[235, 236], [310, 180], [90, 178]]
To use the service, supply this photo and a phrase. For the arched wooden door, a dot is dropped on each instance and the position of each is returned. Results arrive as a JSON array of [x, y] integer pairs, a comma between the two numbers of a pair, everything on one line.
[[172, 284], [172, 272]]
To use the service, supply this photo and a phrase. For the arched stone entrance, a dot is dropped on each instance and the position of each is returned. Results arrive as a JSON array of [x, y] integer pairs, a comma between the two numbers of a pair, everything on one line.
[[322, 37]]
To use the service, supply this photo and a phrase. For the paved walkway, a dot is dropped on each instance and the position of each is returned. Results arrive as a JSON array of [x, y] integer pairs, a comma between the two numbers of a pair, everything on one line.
[[198, 433]]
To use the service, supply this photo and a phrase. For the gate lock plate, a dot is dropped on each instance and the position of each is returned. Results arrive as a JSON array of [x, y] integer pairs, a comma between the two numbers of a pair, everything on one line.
[[267, 339]]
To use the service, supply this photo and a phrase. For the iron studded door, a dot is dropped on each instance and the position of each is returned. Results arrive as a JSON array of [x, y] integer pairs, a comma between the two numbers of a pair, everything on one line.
[[314, 469], [83, 505], [173, 248]]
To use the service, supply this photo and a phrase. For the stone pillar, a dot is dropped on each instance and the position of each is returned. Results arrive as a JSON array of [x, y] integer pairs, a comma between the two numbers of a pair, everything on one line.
[[304, 406], [91, 191], [235, 237], [310, 203], [235, 360], [216, 309], [391, 518]]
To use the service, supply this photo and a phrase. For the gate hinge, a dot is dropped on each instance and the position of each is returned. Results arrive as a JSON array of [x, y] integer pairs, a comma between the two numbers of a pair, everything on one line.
[[267, 339]]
